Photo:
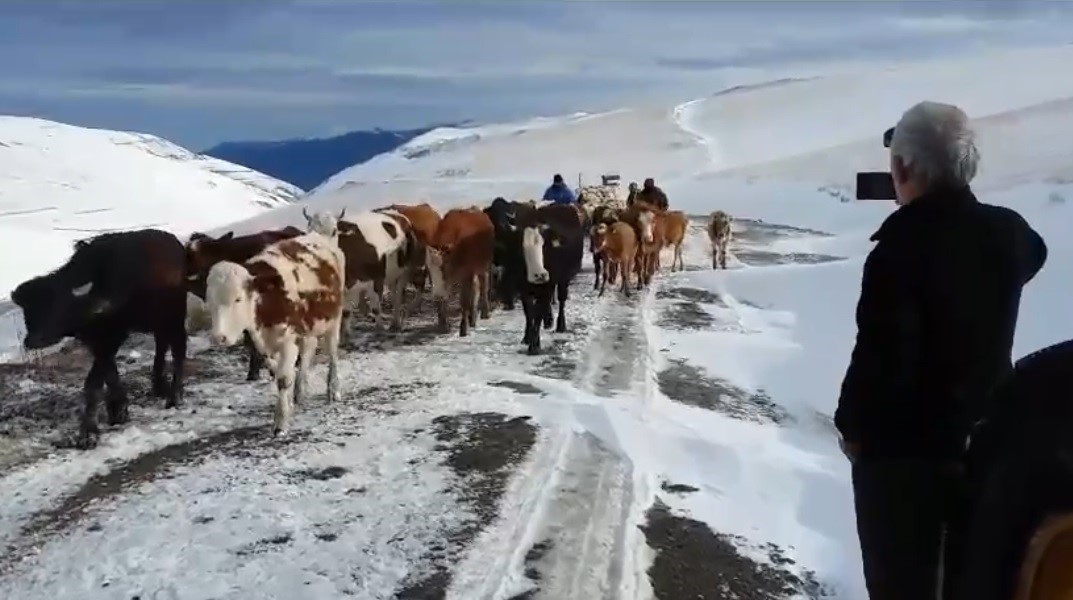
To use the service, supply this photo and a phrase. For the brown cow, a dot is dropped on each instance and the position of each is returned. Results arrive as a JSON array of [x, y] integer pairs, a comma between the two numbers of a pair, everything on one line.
[[650, 226], [460, 252], [719, 233], [616, 244], [287, 298], [203, 251], [675, 226]]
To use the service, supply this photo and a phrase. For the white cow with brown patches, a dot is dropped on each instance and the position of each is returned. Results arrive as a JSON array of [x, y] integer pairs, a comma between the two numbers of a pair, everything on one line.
[[381, 251], [288, 297]]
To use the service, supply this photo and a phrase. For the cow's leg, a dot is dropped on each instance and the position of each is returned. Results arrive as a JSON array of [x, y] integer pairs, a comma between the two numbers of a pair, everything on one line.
[[529, 309], [307, 347], [103, 369], [563, 288], [160, 352], [117, 400], [90, 431], [331, 346], [601, 282], [397, 311], [474, 302], [376, 296], [466, 300], [256, 359], [483, 303], [177, 344], [723, 255], [541, 307], [596, 265], [715, 254], [286, 358]]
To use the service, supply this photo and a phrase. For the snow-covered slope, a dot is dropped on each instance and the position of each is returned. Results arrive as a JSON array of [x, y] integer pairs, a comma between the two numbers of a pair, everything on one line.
[[677, 434], [60, 183]]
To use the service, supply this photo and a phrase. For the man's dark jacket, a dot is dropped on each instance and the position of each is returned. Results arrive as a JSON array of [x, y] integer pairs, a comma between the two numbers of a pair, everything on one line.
[[654, 196], [938, 307]]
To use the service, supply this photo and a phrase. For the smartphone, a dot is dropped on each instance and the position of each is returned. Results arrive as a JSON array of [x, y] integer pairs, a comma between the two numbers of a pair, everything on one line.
[[875, 185]]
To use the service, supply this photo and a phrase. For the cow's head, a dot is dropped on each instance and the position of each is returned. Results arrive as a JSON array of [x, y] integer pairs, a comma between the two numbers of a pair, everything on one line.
[[202, 251], [53, 310], [646, 219], [229, 299], [324, 222], [599, 236], [533, 239], [435, 258]]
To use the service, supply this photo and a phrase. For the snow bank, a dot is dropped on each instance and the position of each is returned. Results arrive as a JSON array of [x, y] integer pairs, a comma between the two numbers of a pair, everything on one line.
[[60, 183]]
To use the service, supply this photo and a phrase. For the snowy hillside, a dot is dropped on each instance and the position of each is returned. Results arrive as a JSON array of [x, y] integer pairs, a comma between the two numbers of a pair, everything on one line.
[[676, 445], [60, 183]]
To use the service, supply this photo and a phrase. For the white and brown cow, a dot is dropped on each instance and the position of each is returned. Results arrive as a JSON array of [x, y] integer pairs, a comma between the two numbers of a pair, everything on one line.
[[381, 252], [288, 297]]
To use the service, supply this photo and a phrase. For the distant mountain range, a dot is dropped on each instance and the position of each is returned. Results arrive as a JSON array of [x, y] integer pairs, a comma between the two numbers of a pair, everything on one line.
[[307, 162]]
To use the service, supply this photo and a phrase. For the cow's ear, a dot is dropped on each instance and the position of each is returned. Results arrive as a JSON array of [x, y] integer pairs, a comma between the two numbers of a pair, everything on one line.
[[543, 227], [227, 236]]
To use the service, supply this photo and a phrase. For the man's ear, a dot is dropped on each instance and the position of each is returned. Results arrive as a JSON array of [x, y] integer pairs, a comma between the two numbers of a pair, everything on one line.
[[898, 169]]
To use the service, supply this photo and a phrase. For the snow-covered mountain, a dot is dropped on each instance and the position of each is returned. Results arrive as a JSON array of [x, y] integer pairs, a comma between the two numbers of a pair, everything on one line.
[[60, 183], [675, 445]]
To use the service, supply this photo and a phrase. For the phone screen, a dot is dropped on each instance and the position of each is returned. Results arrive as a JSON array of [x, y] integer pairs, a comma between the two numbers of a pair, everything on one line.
[[877, 185]]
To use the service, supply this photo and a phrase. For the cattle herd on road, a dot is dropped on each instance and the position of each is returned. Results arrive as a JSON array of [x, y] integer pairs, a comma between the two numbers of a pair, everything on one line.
[[285, 292]]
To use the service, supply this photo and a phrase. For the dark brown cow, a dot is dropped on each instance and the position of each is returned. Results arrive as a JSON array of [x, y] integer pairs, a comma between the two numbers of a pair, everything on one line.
[[460, 252], [113, 284], [203, 251], [287, 298]]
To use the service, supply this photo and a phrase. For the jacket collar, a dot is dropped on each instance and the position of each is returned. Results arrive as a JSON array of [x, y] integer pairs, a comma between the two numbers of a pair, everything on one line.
[[935, 202]]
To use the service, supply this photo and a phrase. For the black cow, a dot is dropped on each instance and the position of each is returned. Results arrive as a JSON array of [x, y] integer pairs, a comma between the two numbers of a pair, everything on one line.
[[601, 214], [114, 284], [552, 243], [508, 281]]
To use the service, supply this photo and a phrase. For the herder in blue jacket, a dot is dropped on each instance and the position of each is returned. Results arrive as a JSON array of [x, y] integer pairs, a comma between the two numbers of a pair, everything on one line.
[[558, 192]]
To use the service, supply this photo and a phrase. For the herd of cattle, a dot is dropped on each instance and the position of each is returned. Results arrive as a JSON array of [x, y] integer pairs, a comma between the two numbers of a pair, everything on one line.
[[284, 292]]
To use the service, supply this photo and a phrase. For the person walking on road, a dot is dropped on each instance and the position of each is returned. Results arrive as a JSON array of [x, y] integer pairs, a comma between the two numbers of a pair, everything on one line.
[[940, 294]]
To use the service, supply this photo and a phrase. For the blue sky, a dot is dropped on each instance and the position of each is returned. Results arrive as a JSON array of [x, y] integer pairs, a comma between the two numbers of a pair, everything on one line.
[[203, 71]]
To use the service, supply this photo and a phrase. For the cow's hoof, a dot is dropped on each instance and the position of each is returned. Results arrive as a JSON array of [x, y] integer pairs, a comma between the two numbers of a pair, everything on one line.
[[334, 397], [160, 390], [533, 350], [88, 439], [119, 416], [561, 328], [396, 328], [253, 376]]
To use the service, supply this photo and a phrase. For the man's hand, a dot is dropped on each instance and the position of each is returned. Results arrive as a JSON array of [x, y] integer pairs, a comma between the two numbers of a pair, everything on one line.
[[851, 449]]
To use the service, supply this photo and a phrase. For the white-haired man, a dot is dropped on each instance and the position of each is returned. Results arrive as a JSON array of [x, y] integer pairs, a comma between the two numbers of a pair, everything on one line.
[[940, 293]]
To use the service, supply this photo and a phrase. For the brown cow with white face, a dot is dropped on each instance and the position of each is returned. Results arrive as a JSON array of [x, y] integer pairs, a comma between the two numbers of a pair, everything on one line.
[[288, 298]]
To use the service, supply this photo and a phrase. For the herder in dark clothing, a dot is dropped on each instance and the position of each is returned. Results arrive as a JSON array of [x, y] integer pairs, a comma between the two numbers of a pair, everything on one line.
[[652, 195], [1020, 466], [939, 299]]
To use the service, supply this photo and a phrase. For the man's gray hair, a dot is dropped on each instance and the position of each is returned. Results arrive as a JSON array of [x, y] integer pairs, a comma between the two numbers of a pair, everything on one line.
[[937, 143]]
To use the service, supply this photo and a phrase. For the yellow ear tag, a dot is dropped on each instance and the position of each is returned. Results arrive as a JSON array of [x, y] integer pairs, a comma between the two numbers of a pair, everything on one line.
[[555, 243]]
